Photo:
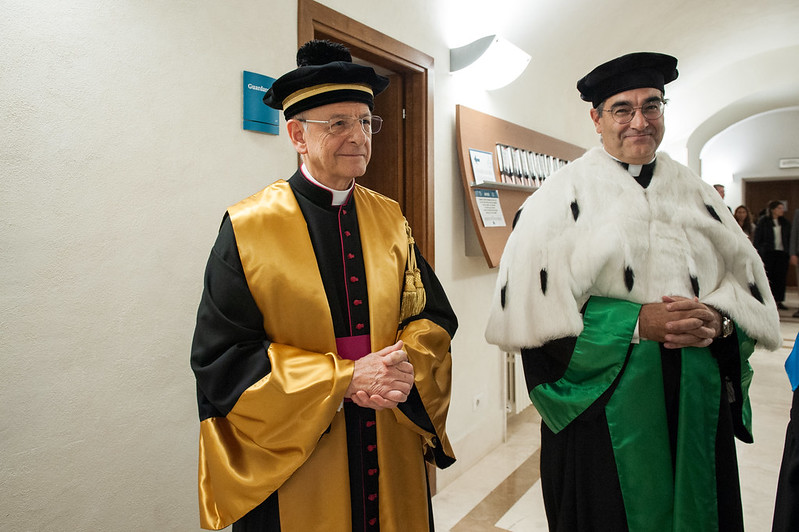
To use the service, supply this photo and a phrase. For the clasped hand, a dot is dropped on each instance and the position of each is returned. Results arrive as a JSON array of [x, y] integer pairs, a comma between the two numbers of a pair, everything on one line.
[[382, 379], [679, 322]]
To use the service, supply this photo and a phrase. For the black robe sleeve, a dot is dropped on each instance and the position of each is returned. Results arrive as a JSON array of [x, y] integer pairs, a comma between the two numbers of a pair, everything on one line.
[[438, 310], [229, 338]]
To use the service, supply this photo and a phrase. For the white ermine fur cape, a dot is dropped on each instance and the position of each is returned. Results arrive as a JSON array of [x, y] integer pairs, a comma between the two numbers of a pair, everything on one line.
[[591, 229]]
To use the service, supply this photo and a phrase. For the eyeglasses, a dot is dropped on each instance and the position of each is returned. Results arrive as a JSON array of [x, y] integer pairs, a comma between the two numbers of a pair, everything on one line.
[[623, 114], [343, 126]]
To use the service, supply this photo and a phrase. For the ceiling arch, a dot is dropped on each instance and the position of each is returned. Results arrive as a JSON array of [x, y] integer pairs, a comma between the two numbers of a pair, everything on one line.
[[746, 88]]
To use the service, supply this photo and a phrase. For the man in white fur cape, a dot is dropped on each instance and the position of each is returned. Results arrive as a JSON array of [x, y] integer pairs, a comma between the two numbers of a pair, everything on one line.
[[635, 300]]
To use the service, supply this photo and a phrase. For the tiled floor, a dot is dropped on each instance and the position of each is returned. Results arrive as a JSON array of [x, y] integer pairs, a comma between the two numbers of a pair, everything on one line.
[[502, 492]]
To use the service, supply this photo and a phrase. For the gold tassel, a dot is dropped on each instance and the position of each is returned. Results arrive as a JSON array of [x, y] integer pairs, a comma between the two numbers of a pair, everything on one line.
[[414, 297]]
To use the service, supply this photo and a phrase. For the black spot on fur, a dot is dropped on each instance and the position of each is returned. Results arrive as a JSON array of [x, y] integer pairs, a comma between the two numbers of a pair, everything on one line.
[[543, 276], [516, 218], [629, 278], [755, 292], [713, 212], [502, 296], [575, 210], [695, 285]]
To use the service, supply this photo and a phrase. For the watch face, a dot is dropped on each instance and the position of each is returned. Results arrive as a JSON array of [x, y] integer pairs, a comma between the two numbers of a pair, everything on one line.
[[726, 326]]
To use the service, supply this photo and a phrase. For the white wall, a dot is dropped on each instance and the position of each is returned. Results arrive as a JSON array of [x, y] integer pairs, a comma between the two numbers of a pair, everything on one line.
[[121, 147], [750, 149]]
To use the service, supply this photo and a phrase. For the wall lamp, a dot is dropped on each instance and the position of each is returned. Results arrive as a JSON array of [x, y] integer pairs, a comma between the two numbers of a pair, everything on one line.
[[492, 62]]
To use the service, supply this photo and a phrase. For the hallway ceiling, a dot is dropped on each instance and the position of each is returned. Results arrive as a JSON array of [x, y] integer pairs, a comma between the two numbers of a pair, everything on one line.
[[737, 58]]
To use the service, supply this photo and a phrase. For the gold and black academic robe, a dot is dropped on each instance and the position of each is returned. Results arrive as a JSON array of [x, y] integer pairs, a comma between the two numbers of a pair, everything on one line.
[[288, 275]]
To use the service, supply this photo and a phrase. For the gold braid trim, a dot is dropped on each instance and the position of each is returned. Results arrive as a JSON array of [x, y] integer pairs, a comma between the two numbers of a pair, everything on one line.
[[308, 92], [414, 297]]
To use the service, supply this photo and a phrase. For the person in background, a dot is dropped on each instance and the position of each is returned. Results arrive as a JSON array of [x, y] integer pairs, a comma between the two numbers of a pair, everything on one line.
[[786, 505], [744, 219], [321, 350], [721, 191], [793, 248], [633, 321], [772, 241]]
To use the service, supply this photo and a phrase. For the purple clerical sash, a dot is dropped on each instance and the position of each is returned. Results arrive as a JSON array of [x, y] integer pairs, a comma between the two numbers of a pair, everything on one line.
[[354, 347]]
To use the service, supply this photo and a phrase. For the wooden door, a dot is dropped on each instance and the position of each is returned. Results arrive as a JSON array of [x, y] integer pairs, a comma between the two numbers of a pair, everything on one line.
[[385, 173]]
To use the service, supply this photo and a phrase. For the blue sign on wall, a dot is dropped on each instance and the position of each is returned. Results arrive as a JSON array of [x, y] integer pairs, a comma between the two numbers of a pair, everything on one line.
[[257, 115]]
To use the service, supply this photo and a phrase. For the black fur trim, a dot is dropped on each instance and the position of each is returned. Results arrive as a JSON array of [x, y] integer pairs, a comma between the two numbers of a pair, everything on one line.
[[695, 285], [629, 278], [755, 292], [575, 210], [543, 276], [712, 212]]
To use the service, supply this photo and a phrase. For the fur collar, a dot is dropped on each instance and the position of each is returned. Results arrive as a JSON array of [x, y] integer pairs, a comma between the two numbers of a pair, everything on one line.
[[591, 229]]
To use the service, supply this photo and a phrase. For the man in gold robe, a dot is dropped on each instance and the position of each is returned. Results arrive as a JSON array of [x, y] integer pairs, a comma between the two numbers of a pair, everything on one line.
[[321, 350]]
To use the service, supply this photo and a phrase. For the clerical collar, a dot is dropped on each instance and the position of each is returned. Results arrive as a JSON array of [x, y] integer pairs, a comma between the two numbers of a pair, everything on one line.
[[640, 172], [339, 196], [634, 169]]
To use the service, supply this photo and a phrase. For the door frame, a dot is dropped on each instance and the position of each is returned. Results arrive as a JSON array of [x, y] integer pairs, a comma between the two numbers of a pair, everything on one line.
[[315, 21]]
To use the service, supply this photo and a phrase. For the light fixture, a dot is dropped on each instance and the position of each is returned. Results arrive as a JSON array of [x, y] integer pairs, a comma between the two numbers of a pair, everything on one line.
[[492, 62]]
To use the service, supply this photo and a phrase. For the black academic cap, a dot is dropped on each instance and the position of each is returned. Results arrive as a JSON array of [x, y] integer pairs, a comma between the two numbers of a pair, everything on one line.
[[631, 71], [325, 74]]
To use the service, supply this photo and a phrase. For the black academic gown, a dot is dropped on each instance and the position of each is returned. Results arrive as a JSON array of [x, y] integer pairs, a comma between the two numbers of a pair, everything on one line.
[[579, 478]]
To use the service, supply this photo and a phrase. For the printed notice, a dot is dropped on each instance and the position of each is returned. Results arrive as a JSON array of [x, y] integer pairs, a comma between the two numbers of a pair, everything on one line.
[[482, 166], [489, 207]]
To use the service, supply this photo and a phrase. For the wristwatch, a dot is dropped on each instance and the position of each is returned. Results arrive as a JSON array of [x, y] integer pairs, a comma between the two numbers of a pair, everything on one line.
[[726, 326]]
